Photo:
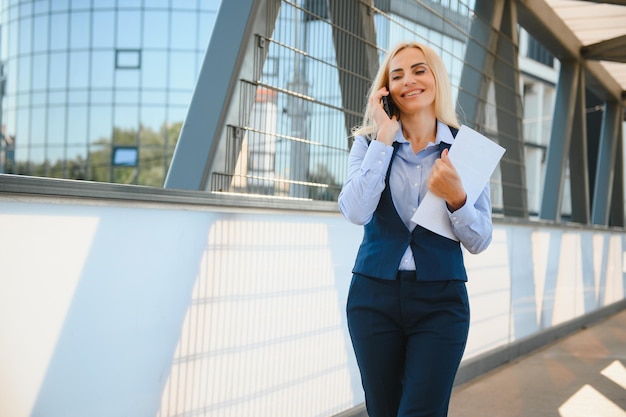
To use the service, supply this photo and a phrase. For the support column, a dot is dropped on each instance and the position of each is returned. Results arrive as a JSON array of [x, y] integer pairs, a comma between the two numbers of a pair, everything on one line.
[[605, 168], [354, 36], [479, 59], [578, 157], [510, 113], [616, 214], [560, 138], [215, 102]]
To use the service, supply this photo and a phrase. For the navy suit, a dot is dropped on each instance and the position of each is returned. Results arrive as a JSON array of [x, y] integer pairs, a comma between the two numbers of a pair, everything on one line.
[[408, 328]]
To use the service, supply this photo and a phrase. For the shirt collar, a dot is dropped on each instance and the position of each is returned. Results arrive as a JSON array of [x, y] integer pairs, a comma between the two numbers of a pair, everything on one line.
[[443, 135]]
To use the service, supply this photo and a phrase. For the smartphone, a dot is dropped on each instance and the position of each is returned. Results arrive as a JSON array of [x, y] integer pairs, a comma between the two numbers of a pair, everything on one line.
[[388, 106]]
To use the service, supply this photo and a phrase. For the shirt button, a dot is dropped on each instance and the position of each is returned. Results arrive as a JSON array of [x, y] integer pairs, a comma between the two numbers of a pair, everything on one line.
[[383, 153], [417, 166], [414, 208], [380, 162]]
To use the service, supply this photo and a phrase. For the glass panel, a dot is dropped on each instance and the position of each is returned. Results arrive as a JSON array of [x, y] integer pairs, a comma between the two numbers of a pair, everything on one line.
[[130, 4], [23, 77], [79, 30], [102, 68], [40, 72], [79, 66], [38, 126], [40, 40], [56, 125], [25, 36], [152, 118], [180, 98], [128, 29], [58, 70], [12, 39], [103, 4], [77, 125], [59, 5], [154, 69], [38, 99], [42, 6], [26, 9], [176, 114], [103, 26], [58, 31], [159, 4], [153, 97], [76, 163], [100, 122], [155, 29], [125, 123], [101, 96], [127, 97], [12, 79], [182, 70], [77, 96], [183, 30], [125, 78], [205, 29], [22, 129], [57, 97], [210, 4], [80, 4]]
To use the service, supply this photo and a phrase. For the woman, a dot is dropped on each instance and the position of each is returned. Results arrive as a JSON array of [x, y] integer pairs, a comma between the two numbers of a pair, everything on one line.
[[408, 310]]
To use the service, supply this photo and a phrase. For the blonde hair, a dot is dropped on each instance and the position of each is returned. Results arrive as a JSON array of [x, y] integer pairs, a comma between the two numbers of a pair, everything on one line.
[[444, 106]]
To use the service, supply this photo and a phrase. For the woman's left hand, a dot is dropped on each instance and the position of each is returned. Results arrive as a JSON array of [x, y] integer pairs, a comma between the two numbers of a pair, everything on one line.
[[445, 182]]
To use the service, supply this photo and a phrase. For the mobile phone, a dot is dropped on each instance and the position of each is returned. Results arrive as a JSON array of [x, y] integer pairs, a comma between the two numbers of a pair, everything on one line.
[[388, 106]]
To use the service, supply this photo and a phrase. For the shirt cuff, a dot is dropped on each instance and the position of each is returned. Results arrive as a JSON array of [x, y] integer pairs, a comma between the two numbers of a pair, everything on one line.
[[464, 216], [377, 158]]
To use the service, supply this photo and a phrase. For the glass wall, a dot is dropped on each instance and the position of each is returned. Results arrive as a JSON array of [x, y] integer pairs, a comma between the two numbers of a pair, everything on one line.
[[98, 89]]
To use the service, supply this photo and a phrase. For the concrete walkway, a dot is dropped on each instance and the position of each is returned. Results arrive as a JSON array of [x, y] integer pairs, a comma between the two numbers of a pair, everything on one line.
[[582, 375]]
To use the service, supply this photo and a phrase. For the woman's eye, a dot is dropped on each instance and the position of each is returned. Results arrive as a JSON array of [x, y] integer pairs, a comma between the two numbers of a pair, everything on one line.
[[420, 72]]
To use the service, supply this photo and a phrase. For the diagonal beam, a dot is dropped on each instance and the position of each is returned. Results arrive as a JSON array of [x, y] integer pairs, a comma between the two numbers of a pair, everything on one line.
[[608, 50]]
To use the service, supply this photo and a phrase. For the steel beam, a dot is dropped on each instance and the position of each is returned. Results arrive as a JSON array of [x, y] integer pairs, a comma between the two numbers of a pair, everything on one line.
[[578, 157], [354, 36], [605, 168], [560, 138], [230, 57], [509, 115]]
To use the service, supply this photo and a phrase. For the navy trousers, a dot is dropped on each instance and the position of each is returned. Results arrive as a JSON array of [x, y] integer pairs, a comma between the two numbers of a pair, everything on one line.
[[408, 338]]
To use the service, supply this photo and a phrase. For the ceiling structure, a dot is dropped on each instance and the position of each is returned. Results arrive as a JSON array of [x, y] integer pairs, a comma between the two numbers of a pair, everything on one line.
[[600, 27]]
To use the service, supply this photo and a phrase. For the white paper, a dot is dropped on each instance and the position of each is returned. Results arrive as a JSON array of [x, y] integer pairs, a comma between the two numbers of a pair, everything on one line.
[[474, 157]]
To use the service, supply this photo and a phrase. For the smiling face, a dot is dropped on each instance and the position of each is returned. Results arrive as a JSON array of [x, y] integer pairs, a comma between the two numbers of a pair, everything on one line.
[[411, 82]]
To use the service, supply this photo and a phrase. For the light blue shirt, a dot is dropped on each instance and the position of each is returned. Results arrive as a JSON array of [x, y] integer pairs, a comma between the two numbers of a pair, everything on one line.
[[367, 167]]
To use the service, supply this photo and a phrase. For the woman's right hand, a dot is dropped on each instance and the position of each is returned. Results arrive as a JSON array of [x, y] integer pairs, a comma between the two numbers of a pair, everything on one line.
[[387, 127]]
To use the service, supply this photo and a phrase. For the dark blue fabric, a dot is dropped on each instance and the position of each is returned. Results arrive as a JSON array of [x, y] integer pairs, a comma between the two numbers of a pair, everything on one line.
[[408, 337]]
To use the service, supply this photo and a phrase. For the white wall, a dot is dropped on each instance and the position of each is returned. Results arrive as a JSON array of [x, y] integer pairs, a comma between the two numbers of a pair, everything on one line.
[[120, 309]]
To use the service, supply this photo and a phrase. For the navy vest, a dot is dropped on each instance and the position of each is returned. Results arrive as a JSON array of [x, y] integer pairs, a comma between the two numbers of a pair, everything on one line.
[[386, 238]]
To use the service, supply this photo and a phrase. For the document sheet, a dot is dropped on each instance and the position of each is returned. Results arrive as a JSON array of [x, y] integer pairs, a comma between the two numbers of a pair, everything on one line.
[[474, 157]]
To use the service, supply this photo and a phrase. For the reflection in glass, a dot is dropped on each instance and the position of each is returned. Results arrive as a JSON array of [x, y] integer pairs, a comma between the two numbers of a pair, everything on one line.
[[77, 127], [102, 68], [103, 25], [183, 33], [58, 31], [100, 120], [183, 69], [154, 69], [38, 126], [40, 37], [56, 125], [128, 29], [155, 29], [23, 78], [40, 72], [79, 69], [79, 29], [58, 70]]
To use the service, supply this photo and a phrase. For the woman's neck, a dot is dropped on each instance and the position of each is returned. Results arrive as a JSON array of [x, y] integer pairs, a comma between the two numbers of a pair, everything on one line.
[[419, 129]]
